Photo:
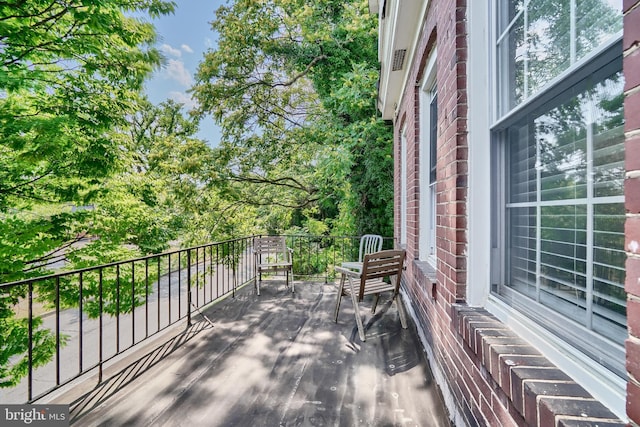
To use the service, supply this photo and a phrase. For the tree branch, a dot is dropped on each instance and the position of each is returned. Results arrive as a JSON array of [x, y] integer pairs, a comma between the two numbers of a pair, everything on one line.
[[23, 184]]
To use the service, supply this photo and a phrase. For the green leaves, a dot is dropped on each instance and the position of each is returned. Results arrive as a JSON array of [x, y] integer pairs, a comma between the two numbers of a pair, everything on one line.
[[70, 75], [14, 340], [293, 85]]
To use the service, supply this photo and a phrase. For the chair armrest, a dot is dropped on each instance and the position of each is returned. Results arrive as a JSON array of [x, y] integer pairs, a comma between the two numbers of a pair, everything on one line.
[[348, 272]]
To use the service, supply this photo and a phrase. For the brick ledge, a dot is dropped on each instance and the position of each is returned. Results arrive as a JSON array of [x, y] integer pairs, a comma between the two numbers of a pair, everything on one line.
[[540, 392]]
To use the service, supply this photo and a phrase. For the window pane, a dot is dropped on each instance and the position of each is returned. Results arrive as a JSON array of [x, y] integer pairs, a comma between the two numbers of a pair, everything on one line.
[[596, 22], [608, 162], [511, 53], [561, 136], [605, 104], [522, 250], [433, 138], [403, 187], [565, 231], [548, 41], [508, 10], [538, 41], [522, 161], [609, 296], [563, 258]]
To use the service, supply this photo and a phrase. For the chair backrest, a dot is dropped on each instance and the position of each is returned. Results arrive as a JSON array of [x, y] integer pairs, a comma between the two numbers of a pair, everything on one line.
[[369, 243], [271, 246], [382, 264]]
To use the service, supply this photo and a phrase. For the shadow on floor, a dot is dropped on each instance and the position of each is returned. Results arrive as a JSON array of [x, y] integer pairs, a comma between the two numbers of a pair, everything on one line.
[[274, 360]]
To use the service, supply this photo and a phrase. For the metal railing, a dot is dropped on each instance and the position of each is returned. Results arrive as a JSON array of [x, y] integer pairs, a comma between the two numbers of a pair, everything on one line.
[[77, 321]]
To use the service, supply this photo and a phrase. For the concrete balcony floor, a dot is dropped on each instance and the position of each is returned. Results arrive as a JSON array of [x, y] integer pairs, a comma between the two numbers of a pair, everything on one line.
[[277, 359]]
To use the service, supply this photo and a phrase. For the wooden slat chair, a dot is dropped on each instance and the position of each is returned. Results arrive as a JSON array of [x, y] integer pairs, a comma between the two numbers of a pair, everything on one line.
[[272, 255], [376, 267]]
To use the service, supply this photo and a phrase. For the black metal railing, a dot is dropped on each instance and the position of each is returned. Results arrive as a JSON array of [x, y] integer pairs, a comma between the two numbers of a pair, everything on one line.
[[98, 313]]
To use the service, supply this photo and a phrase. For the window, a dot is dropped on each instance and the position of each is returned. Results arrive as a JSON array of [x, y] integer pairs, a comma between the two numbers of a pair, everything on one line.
[[428, 161], [539, 40], [558, 155]]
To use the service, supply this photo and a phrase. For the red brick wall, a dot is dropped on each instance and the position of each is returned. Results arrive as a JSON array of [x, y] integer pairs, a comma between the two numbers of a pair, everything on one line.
[[631, 68], [469, 347], [452, 148], [444, 27]]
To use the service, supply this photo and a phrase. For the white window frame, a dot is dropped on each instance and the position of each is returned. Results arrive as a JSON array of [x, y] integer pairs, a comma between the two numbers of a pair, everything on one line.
[[600, 345], [428, 195], [482, 93]]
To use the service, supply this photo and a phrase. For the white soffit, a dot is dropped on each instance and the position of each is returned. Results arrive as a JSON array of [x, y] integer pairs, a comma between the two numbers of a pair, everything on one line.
[[400, 22]]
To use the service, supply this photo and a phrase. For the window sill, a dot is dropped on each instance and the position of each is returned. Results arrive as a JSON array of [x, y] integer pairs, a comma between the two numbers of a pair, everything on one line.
[[426, 273], [426, 270], [535, 388]]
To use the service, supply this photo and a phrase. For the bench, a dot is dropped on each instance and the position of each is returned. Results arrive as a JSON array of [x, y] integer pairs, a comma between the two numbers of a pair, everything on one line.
[[272, 255]]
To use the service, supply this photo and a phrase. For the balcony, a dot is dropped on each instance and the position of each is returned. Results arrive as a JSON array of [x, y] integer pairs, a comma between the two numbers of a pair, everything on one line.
[[195, 345]]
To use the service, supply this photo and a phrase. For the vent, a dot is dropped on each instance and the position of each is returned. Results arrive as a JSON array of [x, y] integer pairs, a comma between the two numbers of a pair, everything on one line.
[[398, 59]]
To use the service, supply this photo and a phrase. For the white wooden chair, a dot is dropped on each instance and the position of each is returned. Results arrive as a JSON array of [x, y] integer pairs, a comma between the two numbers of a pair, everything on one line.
[[376, 267], [272, 255], [369, 243]]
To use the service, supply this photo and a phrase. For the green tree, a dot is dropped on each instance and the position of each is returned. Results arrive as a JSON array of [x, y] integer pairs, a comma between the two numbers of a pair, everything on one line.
[[70, 75], [293, 86], [175, 168]]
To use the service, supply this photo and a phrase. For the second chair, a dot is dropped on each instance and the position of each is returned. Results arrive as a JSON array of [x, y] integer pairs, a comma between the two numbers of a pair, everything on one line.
[[381, 272], [369, 243]]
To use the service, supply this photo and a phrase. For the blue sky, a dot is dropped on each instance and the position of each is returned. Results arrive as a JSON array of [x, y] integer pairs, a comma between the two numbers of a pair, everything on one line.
[[183, 38]]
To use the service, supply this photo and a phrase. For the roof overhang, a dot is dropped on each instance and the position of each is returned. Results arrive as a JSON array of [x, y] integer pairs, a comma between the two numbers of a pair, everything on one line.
[[399, 24]]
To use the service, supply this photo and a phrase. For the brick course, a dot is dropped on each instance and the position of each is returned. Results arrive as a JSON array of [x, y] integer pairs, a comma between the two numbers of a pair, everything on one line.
[[533, 387]]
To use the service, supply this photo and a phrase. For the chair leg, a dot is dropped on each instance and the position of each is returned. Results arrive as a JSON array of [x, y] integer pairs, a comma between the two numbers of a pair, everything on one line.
[[356, 310], [293, 286], [401, 312], [335, 313], [376, 297], [258, 283]]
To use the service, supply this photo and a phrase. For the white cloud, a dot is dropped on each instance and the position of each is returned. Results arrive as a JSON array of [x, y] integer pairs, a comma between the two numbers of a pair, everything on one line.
[[183, 98], [171, 51], [175, 70], [186, 48]]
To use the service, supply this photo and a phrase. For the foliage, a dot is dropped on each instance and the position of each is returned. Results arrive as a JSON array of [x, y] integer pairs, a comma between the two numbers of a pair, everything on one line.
[[293, 85], [70, 75], [15, 339], [91, 172]]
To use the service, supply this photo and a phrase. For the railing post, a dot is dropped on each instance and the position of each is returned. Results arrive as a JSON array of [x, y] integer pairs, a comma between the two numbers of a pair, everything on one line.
[[80, 325], [188, 288], [30, 349], [146, 296], [100, 326], [158, 293], [58, 330], [233, 266], [133, 303], [118, 308]]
